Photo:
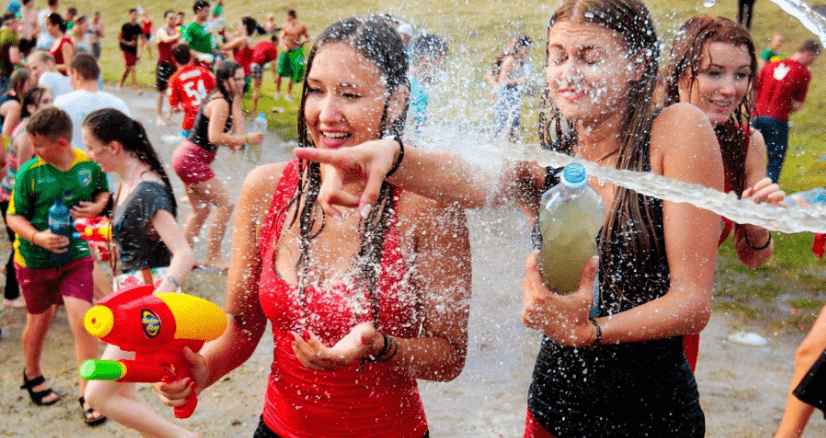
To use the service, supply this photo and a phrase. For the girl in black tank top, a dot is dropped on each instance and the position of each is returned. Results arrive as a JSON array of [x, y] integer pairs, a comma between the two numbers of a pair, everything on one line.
[[213, 127]]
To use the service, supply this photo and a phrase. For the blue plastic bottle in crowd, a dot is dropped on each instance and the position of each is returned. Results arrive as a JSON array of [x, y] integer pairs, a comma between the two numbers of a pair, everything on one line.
[[570, 216], [61, 223]]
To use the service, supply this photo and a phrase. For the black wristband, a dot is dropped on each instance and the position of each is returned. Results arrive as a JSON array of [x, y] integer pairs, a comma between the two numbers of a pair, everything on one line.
[[401, 156], [756, 248], [598, 338]]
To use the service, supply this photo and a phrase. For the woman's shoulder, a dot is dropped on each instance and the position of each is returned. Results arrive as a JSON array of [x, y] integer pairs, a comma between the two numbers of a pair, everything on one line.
[[681, 124], [263, 180]]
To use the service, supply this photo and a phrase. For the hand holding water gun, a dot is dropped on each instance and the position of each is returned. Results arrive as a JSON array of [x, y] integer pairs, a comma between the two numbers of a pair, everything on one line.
[[95, 230], [156, 326]]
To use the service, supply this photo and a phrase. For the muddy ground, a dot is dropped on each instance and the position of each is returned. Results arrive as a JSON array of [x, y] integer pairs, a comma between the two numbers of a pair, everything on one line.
[[743, 388]]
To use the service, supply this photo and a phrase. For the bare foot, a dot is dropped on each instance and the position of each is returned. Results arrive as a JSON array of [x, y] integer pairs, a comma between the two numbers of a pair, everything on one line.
[[17, 303], [216, 263]]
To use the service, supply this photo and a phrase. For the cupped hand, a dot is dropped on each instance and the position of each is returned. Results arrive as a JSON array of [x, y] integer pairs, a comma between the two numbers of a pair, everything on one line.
[[354, 346], [369, 161], [766, 191], [84, 209], [175, 393], [563, 318]]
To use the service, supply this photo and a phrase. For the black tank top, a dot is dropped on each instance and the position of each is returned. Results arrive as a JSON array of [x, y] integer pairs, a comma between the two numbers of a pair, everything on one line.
[[619, 390], [200, 128]]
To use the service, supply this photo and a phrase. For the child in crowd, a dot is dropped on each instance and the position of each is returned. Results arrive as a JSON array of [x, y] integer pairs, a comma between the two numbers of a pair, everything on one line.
[[188, 87], [58, 172]]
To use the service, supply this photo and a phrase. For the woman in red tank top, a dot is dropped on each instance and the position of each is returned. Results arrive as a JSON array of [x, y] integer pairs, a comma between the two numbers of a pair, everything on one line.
[[713, 66], [62, 48], [242, 45], [361, 304]]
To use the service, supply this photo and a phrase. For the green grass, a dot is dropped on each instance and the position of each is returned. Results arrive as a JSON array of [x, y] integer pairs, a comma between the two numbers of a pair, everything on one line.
[[476, 31]]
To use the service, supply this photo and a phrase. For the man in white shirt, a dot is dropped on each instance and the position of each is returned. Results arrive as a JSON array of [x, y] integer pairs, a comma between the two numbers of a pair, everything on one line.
[[44, 69], [83, 74]]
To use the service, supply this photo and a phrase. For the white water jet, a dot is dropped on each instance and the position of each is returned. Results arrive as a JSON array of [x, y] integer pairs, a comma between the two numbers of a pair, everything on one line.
[[810, 19]]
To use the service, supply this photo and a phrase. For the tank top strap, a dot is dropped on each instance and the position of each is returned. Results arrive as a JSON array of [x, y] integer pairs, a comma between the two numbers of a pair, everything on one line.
[[285, 189]]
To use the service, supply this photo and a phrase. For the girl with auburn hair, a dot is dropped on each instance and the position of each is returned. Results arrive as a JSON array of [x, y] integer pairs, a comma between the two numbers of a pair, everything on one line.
[[712, 66], [621, 373], [149, 246], [360, 306]]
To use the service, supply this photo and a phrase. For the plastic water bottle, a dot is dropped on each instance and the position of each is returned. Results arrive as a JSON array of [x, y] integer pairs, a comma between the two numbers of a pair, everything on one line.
[[60, 223], [253, 151], [816, 196], [570, 216]]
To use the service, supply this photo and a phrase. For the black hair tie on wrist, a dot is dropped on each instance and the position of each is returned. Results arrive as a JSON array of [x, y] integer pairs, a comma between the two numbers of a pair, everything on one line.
[[757, 248], [598, 337], [401, 155]]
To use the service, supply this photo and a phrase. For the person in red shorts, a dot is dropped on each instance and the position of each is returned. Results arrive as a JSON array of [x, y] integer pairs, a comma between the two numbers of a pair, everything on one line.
[[264, 52], [167, 37], [82, 187], [129, 34], [188, 87]]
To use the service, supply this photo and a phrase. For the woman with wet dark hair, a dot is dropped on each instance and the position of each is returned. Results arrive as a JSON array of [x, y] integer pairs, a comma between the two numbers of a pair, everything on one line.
[[713, 66], [242, 45], [621, 372], [361, 305], [149, 248], [215, 126]]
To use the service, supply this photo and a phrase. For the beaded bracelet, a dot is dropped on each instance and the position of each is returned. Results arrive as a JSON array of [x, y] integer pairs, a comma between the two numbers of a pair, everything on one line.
[[598, 338], [173, 281], [384, 355], [757, 248], [401, 155]]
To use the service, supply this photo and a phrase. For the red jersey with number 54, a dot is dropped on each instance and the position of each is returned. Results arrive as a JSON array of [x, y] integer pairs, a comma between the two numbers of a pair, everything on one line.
[[188, 87]]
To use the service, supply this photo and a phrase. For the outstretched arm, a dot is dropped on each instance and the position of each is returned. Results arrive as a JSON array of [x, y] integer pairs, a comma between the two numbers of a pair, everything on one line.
[[441, 176]]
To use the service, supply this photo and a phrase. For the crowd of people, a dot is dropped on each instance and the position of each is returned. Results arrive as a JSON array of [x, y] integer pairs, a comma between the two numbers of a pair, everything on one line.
[[363, 305]]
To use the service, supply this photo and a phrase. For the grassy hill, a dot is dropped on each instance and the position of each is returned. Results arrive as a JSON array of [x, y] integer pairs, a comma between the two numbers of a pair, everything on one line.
[[791, 283]]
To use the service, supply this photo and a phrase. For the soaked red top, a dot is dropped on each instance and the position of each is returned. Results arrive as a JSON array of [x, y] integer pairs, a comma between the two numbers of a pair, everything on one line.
[[378, 402], [728, 225], [243, 56]]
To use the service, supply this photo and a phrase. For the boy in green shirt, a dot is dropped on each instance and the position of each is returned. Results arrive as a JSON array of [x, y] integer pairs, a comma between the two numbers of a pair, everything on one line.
[[58, 170]]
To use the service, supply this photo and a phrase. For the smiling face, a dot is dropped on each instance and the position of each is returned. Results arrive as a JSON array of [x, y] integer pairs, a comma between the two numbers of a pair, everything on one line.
[[722, 82], [345, 98], [588, 72]]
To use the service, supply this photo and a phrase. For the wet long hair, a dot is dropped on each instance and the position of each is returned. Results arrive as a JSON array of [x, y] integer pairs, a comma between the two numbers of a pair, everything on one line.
[[632, 20], [685, 62], [108, 125], [225, 72], [382, 46]]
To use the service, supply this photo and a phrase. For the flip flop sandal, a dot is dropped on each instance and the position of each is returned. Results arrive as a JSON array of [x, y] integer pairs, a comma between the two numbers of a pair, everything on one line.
[[87, 414], [38, 396]]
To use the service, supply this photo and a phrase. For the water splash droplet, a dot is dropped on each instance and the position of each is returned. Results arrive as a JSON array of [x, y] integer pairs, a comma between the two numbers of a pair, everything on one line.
[[709, 3]]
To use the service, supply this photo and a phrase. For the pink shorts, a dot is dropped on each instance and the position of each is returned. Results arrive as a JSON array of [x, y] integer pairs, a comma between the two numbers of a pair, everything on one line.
[[43, 287], [131, 59], [192, 163]]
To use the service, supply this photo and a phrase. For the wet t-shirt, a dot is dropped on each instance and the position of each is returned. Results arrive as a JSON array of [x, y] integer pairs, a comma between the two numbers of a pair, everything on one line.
[[140, 245]]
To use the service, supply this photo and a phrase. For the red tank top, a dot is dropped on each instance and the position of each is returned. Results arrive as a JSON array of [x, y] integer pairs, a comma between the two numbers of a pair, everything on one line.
[[58, 53], [378, 402], [243, 56], [165, 52], [728, 225]]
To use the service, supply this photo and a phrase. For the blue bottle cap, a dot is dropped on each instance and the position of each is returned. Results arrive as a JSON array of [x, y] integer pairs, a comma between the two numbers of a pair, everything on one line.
[[574, 176]]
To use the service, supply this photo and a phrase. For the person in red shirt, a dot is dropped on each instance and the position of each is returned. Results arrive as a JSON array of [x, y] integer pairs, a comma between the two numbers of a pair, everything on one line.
[[781, 89], [356, 323], [167, 37], [188, 87], [264, 52]]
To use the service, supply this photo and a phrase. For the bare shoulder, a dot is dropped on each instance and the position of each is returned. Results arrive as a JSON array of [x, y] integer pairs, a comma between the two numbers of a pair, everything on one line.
[[683, 130], [260, 184]]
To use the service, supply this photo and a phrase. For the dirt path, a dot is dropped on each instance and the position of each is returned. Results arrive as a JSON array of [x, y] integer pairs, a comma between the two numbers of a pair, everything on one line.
[[743, 388]]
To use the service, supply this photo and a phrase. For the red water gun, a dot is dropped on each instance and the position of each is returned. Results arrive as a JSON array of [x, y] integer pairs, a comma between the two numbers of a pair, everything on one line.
[[156, 326], [95, 229]]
